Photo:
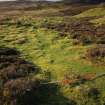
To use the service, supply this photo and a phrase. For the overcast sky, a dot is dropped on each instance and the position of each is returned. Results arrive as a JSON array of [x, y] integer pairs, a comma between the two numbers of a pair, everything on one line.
[[15, 0], [7, 0]]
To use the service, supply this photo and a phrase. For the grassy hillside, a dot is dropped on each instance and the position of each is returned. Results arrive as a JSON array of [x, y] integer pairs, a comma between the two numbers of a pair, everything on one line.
[[59, 39]]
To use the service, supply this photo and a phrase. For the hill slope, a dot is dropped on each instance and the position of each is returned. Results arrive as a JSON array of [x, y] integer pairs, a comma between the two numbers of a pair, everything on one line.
[[59, 39]]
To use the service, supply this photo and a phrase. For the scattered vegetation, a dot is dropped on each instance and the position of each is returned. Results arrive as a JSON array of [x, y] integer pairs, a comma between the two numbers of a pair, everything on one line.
[[53, 41]]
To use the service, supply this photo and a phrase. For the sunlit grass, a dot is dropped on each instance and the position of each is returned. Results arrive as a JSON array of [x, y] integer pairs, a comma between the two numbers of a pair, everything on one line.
[[99, 11], [99, 21]]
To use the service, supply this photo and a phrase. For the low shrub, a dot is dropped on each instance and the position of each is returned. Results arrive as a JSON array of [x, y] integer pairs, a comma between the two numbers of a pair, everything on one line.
[[15, 77], [96, 54]]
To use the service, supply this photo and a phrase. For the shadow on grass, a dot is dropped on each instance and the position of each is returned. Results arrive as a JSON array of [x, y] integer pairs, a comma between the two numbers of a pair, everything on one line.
[[45, 95]]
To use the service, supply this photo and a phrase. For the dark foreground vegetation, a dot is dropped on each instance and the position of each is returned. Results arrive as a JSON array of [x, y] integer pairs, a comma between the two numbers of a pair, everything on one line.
[[15, 78]]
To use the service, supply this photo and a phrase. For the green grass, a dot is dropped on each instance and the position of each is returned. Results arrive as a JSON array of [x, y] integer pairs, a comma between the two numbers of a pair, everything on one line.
[[45, 48]]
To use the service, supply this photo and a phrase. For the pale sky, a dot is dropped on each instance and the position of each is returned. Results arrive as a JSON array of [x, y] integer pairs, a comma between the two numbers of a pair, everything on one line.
[[15, 0], [7, 0]]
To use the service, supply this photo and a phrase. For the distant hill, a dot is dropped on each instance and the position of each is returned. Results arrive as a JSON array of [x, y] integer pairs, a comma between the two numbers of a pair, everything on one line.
[[38, 4], [84, 1], [23, 4]]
